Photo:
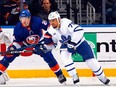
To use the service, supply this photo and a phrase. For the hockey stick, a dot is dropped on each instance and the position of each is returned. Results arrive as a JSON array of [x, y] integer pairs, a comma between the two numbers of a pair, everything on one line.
[[22, 49], [15, 51], [107, 60]]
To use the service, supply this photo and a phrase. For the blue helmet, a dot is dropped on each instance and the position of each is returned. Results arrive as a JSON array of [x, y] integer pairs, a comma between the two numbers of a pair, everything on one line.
[[25, 13]]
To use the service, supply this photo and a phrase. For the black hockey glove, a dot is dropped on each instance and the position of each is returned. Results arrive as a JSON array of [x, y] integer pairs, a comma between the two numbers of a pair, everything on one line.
[[71, 47], [40, 49], [9, 52]]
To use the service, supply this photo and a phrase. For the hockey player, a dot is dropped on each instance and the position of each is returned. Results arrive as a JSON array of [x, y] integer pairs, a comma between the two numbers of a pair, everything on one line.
[[71, 38], [29, 31], [5, 38]]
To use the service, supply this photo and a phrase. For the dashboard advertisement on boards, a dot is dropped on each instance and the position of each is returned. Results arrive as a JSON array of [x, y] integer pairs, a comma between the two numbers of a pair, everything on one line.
[[102, 43]]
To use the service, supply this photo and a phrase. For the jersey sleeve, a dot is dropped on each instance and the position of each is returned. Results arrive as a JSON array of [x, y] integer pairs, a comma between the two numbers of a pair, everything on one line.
[[17, 34], [44, 24], [48, 36], [39, 24], [76, 32]]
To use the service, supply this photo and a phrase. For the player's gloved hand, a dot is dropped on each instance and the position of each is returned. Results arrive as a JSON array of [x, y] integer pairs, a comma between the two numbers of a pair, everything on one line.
[[40, 49], [71, 47], [9, 53], [5, 37]]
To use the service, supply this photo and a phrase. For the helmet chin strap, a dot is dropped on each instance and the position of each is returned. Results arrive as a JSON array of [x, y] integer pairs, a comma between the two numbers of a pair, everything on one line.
[[58, 23]]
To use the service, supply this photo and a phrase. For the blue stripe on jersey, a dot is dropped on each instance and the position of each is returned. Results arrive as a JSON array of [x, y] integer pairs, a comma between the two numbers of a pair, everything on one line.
[[71, 69], [76, 29], [99, 74], [97, 70], [69, 64]]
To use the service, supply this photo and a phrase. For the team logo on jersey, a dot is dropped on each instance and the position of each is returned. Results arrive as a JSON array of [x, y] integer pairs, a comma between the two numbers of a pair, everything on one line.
[[33, 39], [44, 22]]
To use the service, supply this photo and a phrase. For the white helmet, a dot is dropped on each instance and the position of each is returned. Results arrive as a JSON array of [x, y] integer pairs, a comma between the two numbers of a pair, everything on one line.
[[53, 15]]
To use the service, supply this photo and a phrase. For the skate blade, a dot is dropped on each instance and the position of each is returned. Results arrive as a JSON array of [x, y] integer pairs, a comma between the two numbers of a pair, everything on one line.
[[64, 83], [3, 83], [76, 84]]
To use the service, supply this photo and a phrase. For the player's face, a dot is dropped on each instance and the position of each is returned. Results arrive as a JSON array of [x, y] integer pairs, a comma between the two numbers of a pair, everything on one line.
[[54, 23], [25, 21]]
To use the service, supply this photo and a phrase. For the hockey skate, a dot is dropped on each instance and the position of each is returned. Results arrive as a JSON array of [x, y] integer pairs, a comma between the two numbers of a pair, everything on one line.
[[106, 81], [75, 79], [4, 78], [62, 79]]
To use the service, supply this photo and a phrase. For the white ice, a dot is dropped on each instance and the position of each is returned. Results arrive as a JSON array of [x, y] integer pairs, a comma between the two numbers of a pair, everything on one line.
[[53, 82]]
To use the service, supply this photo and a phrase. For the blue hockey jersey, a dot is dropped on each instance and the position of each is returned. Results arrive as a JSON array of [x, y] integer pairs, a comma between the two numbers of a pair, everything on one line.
[[36, 25]]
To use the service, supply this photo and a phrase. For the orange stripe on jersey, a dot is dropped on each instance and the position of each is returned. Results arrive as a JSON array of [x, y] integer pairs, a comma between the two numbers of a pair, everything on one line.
[[2, 67], [55, 68], [47, 36], [0, 30]]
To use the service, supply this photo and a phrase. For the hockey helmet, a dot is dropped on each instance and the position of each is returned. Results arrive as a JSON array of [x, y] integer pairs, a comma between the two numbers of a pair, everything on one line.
[[53, 15], [25, 13]]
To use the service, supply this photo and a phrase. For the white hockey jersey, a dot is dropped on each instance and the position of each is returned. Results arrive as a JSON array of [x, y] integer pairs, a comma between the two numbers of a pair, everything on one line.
[[67, 28], [5, 37]]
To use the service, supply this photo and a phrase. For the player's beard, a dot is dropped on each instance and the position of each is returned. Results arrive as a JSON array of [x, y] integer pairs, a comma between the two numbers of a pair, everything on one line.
[[55, 27]]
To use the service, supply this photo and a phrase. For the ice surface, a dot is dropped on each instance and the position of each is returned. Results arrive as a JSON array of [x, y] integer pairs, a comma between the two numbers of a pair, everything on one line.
[[53, 82]]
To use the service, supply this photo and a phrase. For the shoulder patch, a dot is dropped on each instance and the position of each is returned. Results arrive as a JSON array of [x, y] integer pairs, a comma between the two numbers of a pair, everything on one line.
[[44, 22]]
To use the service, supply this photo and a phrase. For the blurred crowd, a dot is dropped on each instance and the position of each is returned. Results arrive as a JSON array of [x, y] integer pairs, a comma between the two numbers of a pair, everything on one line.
[[110, 10], [9, 9]]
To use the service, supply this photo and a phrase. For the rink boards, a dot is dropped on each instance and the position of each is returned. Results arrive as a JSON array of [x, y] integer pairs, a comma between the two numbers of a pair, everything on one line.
[[101, 38]]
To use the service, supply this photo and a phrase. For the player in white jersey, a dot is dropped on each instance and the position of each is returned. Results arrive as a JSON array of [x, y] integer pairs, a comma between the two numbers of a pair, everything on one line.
[[71, 38], [5, 38]]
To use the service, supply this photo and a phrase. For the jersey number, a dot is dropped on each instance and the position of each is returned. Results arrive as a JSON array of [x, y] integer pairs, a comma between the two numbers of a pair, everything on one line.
[[71, 26]]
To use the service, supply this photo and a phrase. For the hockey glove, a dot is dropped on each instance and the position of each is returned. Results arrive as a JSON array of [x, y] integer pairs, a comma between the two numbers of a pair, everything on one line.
[[9, 51], [40, 49], [71, 47], [6, 38]]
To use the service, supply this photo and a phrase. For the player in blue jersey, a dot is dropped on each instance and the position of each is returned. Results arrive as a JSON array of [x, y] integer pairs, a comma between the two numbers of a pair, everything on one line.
[[29, 31]]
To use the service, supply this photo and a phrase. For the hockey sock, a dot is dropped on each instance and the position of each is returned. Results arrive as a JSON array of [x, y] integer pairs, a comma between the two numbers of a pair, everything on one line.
[[70, 69], [68, 63], [3, 65], [56, 69], [51, 61], [96, 68]]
